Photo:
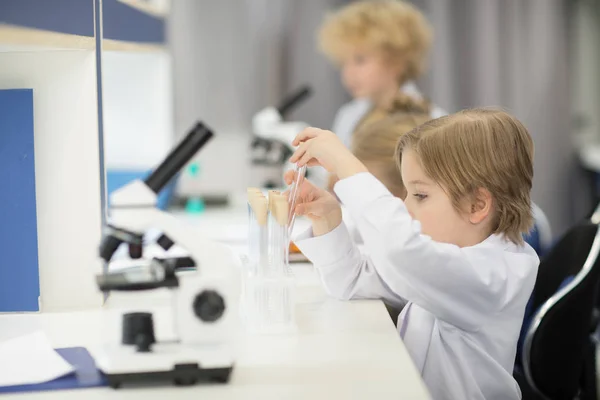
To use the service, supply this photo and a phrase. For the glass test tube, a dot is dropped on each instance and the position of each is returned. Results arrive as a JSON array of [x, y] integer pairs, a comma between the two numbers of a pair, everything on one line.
[[253, 229], [279, 234], [293, 194], [268, 295], [258, 230]]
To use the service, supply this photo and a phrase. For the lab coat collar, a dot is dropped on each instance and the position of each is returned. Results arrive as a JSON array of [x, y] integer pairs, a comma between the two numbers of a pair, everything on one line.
[[496, 240]]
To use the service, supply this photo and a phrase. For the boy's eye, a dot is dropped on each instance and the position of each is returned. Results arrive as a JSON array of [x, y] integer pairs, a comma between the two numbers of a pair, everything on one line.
[[420, 196]]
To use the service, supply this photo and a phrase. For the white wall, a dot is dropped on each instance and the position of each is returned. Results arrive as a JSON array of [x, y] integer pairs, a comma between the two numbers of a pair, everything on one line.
[[514, 54], [233, 58], [67, 171], [586, 68], [137, 108]]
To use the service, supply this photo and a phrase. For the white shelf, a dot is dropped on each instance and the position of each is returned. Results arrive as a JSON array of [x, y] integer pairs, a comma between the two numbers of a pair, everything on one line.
[[132, 47], [21, 39], [156, 8], [67, 171]]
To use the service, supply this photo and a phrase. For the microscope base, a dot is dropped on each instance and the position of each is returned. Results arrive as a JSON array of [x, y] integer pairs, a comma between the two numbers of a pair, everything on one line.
[[181, 375], [166, 363]]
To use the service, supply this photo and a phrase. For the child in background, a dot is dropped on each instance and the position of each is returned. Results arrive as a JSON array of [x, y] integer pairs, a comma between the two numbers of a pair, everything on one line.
[[453, 248], [374, 144], [380, 47], [375, 147]]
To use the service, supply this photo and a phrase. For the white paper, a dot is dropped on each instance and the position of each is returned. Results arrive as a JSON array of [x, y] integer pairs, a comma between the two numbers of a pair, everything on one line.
[[30, 359]]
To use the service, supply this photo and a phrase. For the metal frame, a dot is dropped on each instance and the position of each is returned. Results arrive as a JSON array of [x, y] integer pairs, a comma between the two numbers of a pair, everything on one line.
[[595, 218], [587, 266], [543, 227]]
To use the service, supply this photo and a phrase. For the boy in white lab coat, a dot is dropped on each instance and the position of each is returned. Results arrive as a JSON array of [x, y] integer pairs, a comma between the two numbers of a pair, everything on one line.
[[453, 248]]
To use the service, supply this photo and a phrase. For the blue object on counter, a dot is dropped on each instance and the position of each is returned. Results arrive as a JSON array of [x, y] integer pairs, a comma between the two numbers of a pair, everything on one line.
[[195, 205], [116, 179], [86, 375]]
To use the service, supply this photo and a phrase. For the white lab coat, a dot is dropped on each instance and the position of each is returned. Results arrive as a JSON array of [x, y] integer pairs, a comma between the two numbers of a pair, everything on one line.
[[466, 305], [351, 226]]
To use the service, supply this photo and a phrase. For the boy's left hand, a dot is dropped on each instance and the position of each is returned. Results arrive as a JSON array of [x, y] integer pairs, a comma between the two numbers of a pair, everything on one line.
[[324, 148]]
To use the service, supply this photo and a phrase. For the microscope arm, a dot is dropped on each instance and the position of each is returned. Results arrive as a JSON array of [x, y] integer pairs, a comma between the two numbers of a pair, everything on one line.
[[269, 125]]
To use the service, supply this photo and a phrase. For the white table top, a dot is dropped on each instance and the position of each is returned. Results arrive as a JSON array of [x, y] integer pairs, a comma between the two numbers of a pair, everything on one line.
[[342, 350]]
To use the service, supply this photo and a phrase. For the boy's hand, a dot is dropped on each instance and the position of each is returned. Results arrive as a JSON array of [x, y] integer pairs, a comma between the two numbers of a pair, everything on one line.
[[320, 147], [320, 206]]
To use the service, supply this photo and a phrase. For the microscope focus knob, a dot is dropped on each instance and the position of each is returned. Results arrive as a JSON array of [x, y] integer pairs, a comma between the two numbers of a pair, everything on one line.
[[209, 306], [165, 242], [138, 330]]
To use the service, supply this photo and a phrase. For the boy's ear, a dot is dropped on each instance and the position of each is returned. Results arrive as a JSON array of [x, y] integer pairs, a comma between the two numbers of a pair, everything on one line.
[[481, 206]]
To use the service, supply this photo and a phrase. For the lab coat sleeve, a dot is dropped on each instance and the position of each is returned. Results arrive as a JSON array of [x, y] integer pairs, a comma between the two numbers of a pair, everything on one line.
[[456, 288], [346, 272]]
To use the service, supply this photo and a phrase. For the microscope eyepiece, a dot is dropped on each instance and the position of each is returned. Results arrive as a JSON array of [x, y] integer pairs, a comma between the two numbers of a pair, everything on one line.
[[181, 155], [294, 100]]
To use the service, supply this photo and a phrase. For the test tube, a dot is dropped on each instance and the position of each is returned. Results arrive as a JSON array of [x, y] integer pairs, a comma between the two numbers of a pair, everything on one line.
[[253, 229], [279, 236], [279, 304], [268, 295], [275, 228], [260, 234], [293, 195]]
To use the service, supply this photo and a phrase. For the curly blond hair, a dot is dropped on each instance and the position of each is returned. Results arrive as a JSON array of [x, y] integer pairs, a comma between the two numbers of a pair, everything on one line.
[[396, 29]]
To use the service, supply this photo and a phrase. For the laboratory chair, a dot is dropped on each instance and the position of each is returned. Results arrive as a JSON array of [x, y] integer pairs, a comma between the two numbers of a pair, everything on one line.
[[595, 217], [558, 356], [540, 239], [540, 236]]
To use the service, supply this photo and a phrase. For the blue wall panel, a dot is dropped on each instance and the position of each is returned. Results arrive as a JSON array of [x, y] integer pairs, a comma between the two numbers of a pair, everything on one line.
[[122, 22], [19, 272], [74, 17]]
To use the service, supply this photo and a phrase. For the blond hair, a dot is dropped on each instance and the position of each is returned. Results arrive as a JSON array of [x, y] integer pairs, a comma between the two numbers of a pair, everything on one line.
[[375, 145], [393, 28], [479, 148]]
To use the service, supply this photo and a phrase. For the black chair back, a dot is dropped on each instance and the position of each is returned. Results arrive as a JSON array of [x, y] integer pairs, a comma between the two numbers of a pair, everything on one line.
[[559, 334]]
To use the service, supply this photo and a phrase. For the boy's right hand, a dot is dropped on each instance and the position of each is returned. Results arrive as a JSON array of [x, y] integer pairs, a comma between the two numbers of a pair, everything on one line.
[[320, 206]]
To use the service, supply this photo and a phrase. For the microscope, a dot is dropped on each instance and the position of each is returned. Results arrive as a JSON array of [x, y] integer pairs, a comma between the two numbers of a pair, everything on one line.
[[205, 300], [273, 136]]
